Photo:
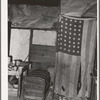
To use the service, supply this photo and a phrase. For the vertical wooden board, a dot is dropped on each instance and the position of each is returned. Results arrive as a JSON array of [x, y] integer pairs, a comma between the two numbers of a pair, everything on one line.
[[42, 59], [74, 75], [42, 47], [42, 55], [67, 73]]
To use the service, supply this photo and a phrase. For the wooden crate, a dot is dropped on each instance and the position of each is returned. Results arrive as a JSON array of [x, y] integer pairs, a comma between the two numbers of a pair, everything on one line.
[[35, 85], [33, 88]]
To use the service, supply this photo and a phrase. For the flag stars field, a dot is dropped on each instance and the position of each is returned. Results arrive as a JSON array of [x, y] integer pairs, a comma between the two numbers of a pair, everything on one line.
[[70, 35]]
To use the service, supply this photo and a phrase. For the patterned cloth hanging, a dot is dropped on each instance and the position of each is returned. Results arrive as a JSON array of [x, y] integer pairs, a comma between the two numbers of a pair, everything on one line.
[[75, 48]]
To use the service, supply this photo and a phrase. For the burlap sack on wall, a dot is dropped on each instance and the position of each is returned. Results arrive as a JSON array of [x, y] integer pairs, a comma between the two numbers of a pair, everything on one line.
[[79, 7], [32, 16]]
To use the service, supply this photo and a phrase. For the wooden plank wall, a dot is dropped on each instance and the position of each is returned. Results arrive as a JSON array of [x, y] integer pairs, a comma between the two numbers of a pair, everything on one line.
[[43, 57], [42, 54]]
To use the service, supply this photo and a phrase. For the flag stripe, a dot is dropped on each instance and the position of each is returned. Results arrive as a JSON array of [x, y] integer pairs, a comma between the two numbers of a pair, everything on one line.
[[83, 50], [73, 72], [77, 70], [85, 54], [67, 70], [63, 80], [60, 55], [58, 74], [75, 43], [63, 72], [89, 28], [91, 56], [93, 40], [55, 78]]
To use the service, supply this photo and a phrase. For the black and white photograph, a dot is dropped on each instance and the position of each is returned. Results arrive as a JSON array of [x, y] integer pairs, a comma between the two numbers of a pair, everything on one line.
[[52, 49]]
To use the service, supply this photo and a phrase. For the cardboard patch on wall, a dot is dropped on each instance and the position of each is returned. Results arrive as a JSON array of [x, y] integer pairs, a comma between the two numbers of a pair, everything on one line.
[[19, 43], [42, 37]]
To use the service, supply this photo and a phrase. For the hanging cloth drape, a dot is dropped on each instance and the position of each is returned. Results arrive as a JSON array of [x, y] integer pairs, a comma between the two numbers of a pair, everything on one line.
[[75, 48]]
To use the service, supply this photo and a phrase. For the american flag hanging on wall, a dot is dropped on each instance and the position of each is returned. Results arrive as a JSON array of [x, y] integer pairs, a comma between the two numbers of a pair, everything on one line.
[[75, 47], [70, 36]]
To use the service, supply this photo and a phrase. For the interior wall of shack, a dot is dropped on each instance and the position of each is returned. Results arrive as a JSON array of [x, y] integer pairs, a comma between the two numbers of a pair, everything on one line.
[[43, 50], [21, 48]]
